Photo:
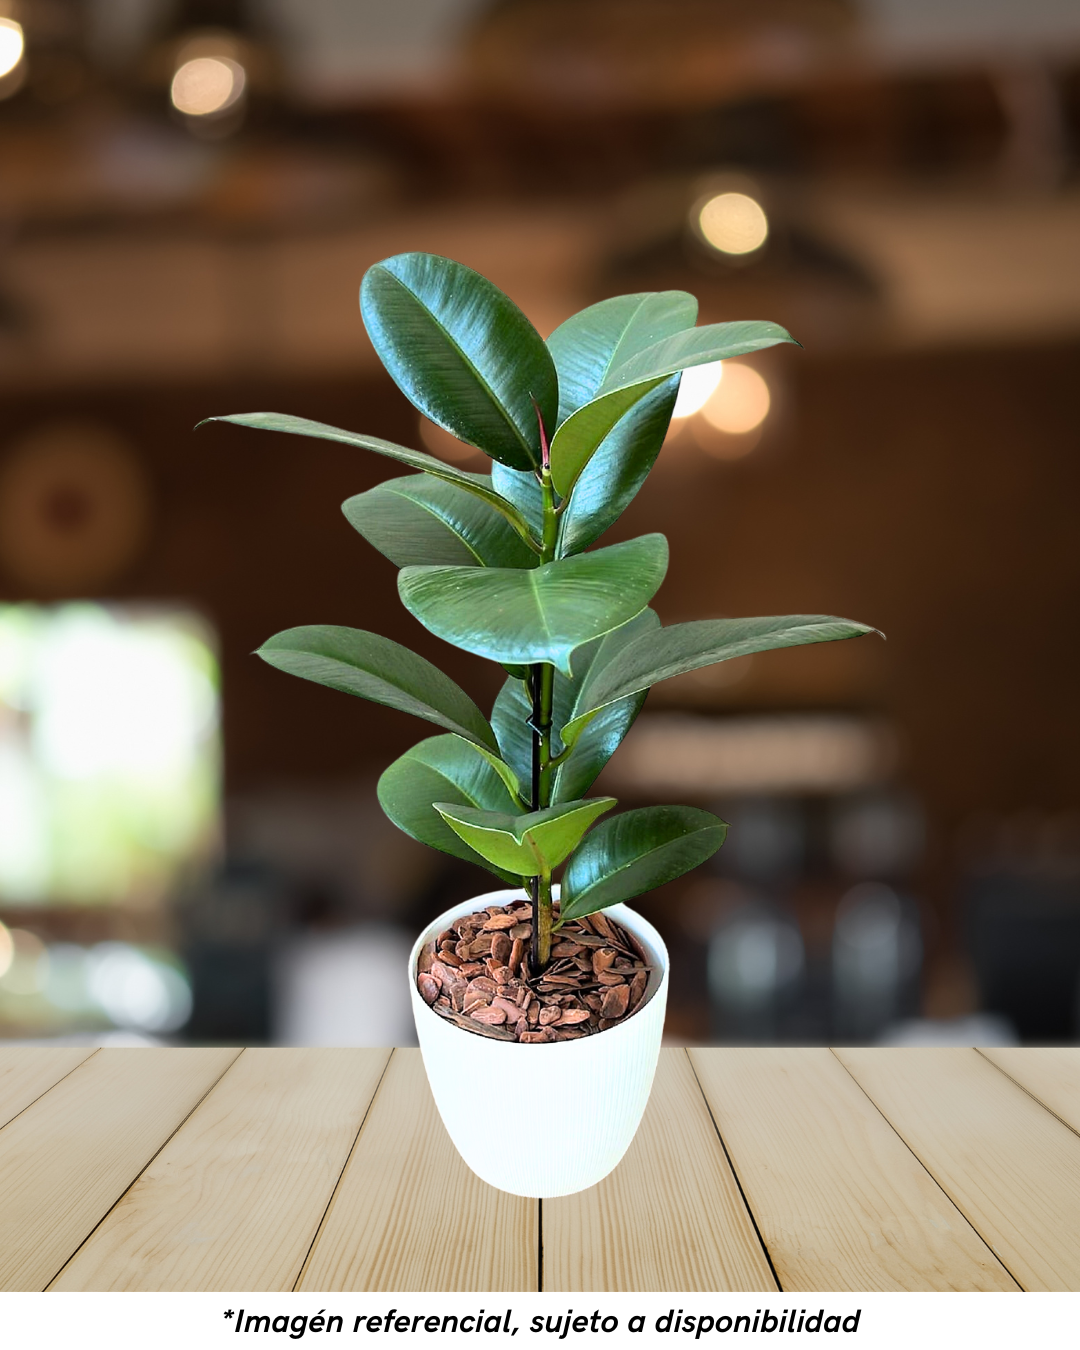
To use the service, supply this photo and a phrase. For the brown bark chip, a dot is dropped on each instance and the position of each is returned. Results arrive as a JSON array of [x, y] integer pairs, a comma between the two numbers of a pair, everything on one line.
[[602, 959], [477, 976], [616, 1001], [501, 920]]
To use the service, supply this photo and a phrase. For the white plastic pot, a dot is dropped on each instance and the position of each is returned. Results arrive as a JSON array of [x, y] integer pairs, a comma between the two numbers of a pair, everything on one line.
[[583, 1099]]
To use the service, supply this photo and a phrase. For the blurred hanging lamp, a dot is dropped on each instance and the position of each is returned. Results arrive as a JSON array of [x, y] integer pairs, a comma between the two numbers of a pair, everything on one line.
[[213, 58], [12, 51]]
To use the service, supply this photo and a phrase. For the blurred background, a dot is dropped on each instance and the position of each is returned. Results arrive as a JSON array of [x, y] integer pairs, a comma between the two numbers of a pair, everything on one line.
[[190, 192]]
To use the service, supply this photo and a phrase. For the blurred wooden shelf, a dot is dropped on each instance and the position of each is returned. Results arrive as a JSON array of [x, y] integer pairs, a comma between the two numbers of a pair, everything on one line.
[[328, 1169]]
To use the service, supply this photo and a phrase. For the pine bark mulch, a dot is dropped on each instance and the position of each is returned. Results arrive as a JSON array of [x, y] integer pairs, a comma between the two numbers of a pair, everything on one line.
[[476, 974]]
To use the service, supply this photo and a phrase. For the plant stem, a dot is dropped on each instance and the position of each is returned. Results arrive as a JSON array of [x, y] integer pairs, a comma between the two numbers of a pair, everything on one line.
[[542, 685]]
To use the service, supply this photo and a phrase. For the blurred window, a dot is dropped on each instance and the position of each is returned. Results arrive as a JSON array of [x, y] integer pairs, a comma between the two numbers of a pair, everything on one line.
[[109, 752]]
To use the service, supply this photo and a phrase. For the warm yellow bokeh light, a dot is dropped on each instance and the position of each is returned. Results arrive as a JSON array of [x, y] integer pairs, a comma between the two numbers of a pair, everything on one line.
[[12, 45], [696, 387], [7, 950], [740, 402], [206, 85], [27, 964], [443, 445], [732, 222]]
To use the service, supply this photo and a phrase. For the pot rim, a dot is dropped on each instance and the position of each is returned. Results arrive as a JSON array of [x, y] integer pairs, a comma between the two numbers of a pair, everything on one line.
[[652, 939]]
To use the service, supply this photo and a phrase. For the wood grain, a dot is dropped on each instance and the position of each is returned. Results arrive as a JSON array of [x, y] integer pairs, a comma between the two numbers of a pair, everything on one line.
[[26, 1072], [235, 1198], [409, 1214], [839, 1200], [669, 1217], [1011, 1166], [67, 1158], [1051, 1074]]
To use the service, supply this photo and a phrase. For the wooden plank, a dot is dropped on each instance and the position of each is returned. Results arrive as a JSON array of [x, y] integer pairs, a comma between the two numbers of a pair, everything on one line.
[[70, 1156], [1052, 1074], [1010, 1166], [669, 1217], [26, 1072], [235, 1198], [839, 1200], [409, 1214]]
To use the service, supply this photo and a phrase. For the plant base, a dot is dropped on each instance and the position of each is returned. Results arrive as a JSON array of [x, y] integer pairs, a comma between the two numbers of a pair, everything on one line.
[[577, 1103]]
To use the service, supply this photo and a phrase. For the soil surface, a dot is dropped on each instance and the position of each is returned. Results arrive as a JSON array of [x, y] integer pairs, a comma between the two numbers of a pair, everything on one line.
[[476, 975]]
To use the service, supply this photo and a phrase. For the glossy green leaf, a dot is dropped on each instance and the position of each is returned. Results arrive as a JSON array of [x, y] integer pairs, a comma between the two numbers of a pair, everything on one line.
[[529, 844], [509, 720], [605, 731], [590, 344], [509, 717], [423, 520], [584, 431], [612, 477], [689, 646], [463, 352], [510, 779], [375, 668], [446, 769], [634, 852], [695, 347], [478, 484], [580, 436], [523, 492], [542, 614]]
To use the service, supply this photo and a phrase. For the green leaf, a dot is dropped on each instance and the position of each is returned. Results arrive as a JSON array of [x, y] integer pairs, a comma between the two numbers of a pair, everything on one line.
[[447, 769], [505, 772], [695, 347], [478, 484], [592, 343], [523, 491], [634, 852], [522, 616], [584, 431], [513, 707], [419, 519], [606, 731], [640, 370], [510, 715], [531, 844], [378, 669], [462, 352], [612, 477], [682, 647]]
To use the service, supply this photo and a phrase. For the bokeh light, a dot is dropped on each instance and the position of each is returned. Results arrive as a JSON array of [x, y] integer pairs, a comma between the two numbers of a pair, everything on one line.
[[732, 222], [696, 387], [740, 402], [7, 950], [12, 46], [206, 85]]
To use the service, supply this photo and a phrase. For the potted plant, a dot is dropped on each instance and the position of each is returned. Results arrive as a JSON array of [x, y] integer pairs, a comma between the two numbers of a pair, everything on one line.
[[557, 1002]]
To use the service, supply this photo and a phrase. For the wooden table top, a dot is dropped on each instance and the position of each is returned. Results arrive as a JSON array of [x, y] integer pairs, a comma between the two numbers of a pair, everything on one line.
[[328, 1169]]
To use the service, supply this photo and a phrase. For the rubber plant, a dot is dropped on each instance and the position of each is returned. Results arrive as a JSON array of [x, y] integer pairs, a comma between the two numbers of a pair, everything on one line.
[[502, 565]]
